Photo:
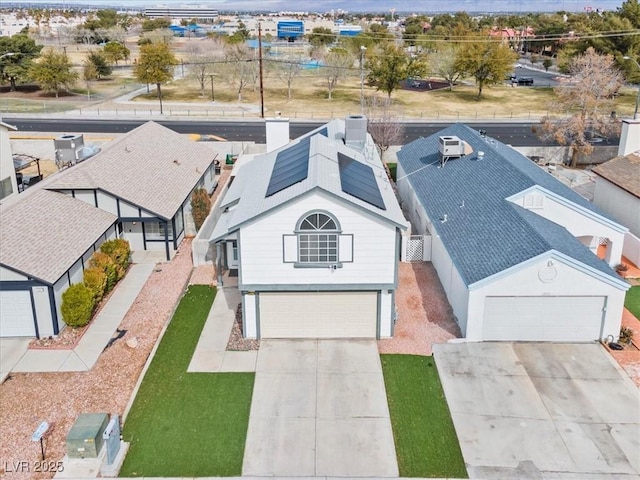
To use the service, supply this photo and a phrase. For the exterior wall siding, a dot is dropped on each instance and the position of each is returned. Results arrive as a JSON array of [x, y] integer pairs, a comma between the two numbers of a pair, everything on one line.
[[373, 247], [620, 204], [10, 275]]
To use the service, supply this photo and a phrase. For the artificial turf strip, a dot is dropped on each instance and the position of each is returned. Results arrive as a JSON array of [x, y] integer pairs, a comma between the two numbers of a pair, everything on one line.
[[187, 424], [632, 301], [425, 439]]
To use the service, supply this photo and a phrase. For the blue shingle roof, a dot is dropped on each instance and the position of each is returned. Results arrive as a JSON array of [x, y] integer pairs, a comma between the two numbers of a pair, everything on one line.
[[484, 233]]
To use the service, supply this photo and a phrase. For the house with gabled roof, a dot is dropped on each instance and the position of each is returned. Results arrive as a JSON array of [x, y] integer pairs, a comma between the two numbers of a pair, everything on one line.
[[138, 188], [312, 230], [514, 248]]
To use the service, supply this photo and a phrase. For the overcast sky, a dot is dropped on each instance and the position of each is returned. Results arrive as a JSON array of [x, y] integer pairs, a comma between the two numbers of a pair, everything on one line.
[[369, 5]]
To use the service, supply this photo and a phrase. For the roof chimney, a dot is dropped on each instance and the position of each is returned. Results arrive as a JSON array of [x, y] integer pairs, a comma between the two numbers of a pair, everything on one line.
[[629, 137], [277, 133]]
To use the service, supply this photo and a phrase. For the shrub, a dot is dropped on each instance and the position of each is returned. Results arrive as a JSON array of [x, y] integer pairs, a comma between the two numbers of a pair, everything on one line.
[[95, 280], [119, 251], [200, 206], [103, 262], [77, 305], [626, 335]]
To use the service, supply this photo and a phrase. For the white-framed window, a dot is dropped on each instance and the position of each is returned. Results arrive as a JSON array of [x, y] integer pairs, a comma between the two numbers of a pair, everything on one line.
[[155, 230], [318, 239]]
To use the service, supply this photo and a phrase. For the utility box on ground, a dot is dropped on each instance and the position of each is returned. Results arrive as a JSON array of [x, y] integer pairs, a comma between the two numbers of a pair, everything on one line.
[[85, 437]]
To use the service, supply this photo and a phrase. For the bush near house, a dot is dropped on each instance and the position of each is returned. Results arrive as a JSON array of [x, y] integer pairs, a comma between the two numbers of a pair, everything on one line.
[[200, 206], [104, 262], [119, 251], [77, 305], [95, 280]]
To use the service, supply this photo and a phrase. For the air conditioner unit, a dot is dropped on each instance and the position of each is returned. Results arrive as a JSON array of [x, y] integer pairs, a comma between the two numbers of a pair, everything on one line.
[[451, 146]]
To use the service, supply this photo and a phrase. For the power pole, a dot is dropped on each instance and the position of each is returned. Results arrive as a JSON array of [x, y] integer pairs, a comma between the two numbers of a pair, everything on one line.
[[212, 97], [260, 66]]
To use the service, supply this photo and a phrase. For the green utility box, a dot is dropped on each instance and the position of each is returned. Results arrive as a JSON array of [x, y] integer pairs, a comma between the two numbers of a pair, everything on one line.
[[85, 437]]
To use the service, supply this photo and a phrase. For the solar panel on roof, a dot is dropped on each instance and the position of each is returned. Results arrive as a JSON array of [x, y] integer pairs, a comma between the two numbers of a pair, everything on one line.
[[358, 180], [291, 167]]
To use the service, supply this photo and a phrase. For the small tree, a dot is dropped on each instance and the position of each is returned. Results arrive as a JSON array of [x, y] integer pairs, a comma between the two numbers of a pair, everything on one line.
[[583, 107], [337, 63], [95, 280], [392, 65], [200, 206], [115, 51], [155, 66], [77, 305], [384, 125], [321, 37], [15, 68], [487, 62], [287, 70], [99, 63], [53, 71], [444, 63], [546, 63], [240, 67]]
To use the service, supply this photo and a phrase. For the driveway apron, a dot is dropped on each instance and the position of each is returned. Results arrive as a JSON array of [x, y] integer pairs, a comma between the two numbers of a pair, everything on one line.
[[531, 410], [319, 408]]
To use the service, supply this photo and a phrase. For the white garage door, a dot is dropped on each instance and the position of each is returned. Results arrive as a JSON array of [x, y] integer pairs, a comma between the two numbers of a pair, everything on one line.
[[554, 319], [16, 314], [318, 315]]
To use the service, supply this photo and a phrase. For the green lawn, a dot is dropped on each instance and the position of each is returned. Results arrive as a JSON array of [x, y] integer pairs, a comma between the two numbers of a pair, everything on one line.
[[187, 424], [426, 442], [632, 301]]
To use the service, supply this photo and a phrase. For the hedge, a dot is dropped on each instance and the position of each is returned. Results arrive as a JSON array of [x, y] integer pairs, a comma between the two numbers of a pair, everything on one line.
[[95, 280], [103, 262], [77, 305], [119, 251]]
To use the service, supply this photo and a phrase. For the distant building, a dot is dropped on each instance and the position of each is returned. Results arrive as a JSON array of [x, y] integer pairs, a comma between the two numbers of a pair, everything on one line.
[[199, 13]]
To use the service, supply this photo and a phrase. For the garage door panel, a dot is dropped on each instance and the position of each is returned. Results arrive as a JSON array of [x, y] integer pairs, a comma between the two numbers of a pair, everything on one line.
[[572, 319], [318, 315], [16, 314]]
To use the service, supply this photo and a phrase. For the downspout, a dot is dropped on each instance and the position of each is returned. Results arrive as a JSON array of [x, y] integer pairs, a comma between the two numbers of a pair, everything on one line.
[[219, 264]]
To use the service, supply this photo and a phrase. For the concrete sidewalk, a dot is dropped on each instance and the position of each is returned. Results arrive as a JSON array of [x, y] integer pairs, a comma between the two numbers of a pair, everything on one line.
[[94, 340], [211, 353]]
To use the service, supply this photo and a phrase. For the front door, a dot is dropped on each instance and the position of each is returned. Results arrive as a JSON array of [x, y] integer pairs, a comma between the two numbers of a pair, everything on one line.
[[232, 254]]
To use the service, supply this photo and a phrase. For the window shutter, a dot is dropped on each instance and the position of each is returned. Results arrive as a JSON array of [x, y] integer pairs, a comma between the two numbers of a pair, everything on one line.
[[289, 248], [345, 250]]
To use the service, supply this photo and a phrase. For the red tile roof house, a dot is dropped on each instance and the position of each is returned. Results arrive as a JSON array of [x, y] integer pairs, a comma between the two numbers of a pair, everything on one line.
[[137, 188]]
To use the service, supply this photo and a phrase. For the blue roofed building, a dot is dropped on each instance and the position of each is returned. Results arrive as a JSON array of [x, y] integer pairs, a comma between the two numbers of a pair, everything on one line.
[[515, 249], [311, 230]]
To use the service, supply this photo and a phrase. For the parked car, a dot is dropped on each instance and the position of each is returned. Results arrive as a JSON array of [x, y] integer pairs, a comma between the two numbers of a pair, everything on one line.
[[521, 80]]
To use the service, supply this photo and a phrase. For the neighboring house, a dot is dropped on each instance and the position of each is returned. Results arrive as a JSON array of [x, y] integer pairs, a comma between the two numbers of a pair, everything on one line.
[[145, 178], [8, 184], [617, 190], [514, 248], [137, 188], [313, 229]]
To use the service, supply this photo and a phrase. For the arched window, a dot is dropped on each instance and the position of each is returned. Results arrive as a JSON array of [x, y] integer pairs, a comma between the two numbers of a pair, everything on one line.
[[318, 238]]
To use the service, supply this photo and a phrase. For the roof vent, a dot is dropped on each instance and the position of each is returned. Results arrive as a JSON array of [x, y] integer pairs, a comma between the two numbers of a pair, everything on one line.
[[480, 155], [355, 131]]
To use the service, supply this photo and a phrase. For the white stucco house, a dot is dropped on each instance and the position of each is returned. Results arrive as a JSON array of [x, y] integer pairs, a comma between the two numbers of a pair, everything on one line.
[[313, 229], [514, 248], [8, 184], [137, 188]]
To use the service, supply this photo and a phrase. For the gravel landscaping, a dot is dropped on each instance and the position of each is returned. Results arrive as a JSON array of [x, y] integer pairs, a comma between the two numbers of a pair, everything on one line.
[[424, 314], [58, 398]]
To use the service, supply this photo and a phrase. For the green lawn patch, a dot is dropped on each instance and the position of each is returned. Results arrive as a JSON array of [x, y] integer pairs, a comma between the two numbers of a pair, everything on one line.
[[393, 168], [632, 301], [187, 424], [426, 441]]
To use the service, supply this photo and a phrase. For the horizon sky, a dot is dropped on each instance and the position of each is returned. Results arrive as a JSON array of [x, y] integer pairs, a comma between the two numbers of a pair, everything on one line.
[[364, 5]]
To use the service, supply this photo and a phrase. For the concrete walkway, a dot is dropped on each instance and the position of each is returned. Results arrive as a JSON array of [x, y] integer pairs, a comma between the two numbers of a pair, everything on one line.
[[94, 340], [210, 354], [319, 408]]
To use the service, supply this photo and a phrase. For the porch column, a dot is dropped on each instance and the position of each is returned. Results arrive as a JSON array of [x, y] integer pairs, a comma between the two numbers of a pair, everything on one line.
[[219, 264]]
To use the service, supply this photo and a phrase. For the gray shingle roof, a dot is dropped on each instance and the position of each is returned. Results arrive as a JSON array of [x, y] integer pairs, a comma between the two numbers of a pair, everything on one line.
[[152, 167], [484, 233], [623, 172], [323, 174], [45, 233]]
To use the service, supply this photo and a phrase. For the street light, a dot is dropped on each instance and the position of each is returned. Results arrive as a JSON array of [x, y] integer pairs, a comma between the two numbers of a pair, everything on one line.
[[635, 112], [362, 50]]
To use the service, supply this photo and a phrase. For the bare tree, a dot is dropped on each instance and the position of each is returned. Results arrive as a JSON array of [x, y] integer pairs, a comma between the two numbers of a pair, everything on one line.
[[384, 124], [443, 62], [240, 66], [337, 64], [287, 70], [201, 62], [584, 106]]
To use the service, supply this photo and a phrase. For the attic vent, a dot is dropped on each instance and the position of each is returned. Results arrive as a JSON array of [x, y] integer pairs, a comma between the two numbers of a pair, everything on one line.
[[451, 147]]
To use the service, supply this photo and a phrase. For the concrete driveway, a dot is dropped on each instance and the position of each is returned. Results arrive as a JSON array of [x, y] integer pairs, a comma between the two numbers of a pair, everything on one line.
[[531, 410], [319, 408]]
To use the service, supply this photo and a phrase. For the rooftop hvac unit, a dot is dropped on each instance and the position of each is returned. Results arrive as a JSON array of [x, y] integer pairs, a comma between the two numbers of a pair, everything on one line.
[[451, 146], [355, 131], [70, 149], [85, 437]]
